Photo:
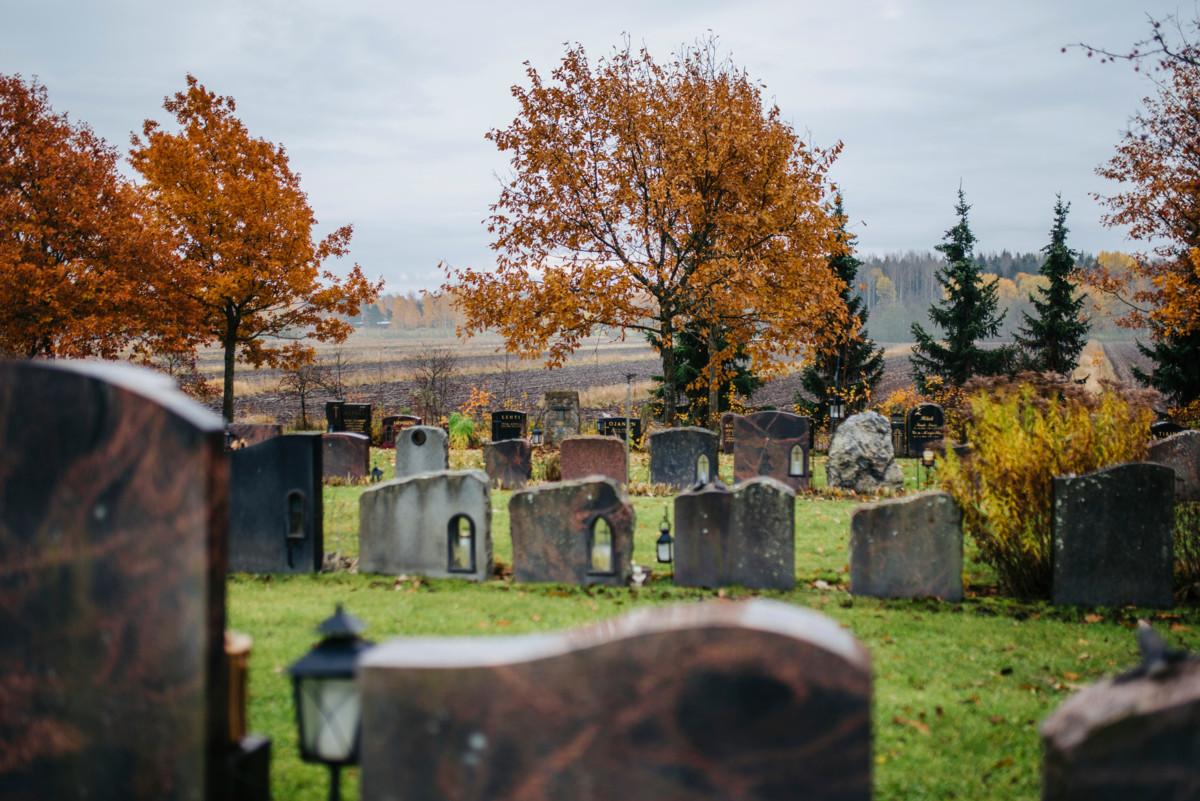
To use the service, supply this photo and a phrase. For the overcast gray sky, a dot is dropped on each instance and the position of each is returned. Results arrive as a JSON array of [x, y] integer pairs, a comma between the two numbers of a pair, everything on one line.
[[383, 105]]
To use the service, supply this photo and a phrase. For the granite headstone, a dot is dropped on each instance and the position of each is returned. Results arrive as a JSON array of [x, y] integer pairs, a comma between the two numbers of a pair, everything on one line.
[[421, 449], [243, 435], [741, 537], [683, 457], [346, 457], [1113, 533], [392, 425], [908, 548], [925, 426], [861, 456], [573, 532], [433, 524], [562, 416], [1181, 453], [113, 525], [276, 519], [774, 444], [727, 432], [580, 457], [755, 701], [509, 463], [508, 424]]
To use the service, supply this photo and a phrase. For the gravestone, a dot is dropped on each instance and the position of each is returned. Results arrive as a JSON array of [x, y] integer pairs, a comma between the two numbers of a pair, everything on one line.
[[925, 427], [615, 427], [562, 416], [509, 463], [508, 424], [754, 701], [392, 425], [433, 524], [580, 457], [1161, 429], [683, 457], [347, 456], [113, 525], [861, 456], [908, 548], [899, 434], [774, 444], [1181, 453], [276, 520], [243, 435], [745, 536], [727, 432], [1112, 536], [572, 532], [421, 449], [352, 417], [1125, 738]]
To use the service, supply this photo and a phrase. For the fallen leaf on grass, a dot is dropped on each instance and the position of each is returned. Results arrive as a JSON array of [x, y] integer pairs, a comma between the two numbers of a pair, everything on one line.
[[1092, 617], [923, 728]]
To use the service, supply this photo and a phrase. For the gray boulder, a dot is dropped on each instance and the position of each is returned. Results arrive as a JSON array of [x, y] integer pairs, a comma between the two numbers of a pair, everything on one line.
[[861, 456]]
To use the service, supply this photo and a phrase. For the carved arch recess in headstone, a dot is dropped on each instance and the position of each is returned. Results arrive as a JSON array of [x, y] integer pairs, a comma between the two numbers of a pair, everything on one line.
[[693, 702], [113, 522]]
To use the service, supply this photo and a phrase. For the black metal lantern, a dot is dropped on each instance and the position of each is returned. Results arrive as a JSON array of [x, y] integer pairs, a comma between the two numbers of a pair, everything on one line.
[[836, 406], [328, 706], [535, 437], [927, 461], [665, 545]]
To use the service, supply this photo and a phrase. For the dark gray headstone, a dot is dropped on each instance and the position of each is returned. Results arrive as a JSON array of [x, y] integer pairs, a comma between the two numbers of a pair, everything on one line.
[[1112, 536], [1127, 738], [925, 427], [434, 524], [745, 536], [615, 427], [908, 548], [508, 424], [421, 449], [276, 521], [346, 456], [1181, 453], [352, 417], [509, 463], [774, 444], [113, 518], [683, 457], [572, 532], [754, 701]]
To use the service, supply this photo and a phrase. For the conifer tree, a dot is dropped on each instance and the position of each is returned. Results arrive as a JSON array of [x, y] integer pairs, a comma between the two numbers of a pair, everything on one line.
[[691, 363], [853, 368], [1054, 339], [966, 315], [1176, 369]]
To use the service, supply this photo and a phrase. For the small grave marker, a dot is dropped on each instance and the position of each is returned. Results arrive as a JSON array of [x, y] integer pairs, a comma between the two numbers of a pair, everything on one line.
[[508, 424], [509, 463], [421, 449], [580, 457], [924, 426]]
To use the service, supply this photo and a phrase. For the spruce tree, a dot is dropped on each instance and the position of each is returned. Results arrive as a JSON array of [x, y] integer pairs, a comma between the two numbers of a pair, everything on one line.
[[1176, 370], [1054, 339], [691, 361], [854, 368], [966, 315]]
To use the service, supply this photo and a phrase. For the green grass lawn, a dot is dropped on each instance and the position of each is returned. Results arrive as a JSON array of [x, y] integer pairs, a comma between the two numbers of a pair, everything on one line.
[[959, 689]]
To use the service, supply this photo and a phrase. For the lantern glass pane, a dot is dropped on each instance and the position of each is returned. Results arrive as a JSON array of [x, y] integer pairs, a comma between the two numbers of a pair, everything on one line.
[[295, 514], [461, 538], [664, 551], [702, 469], [601, 553], [330, 711], [796, 461]]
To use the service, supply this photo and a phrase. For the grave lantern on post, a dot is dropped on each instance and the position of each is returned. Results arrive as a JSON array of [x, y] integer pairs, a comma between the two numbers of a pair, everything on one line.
[[535, 437], [927, 461], [665, 545], [837, 408], [328, 706]]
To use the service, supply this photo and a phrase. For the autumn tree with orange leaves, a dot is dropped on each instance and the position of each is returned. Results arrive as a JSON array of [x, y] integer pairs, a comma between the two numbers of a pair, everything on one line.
[[80, 264], [648, 197], [1157, 165], [249, 273]]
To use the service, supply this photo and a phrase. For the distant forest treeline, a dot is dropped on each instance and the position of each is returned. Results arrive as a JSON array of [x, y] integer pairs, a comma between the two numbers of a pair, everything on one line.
[[897, 290]]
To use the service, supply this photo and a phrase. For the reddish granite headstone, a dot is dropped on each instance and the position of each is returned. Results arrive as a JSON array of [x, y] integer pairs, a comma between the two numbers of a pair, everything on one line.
[[346, 456], [1126, 738], [509, 463], [573, 532], [113, 515], [752, 701], [581, 457], [772, 444]]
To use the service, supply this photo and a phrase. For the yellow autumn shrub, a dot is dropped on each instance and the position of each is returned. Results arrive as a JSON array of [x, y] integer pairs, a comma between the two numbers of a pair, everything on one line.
[[1023, 435]]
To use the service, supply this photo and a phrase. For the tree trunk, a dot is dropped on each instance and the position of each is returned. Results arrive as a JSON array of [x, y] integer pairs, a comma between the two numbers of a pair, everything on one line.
[[230, 355], [670, 391], [714, 383]]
